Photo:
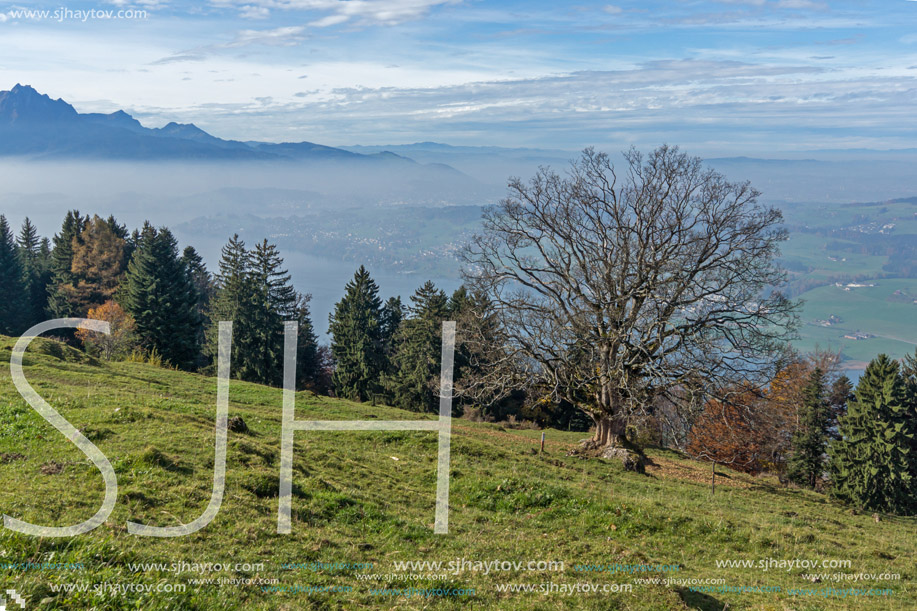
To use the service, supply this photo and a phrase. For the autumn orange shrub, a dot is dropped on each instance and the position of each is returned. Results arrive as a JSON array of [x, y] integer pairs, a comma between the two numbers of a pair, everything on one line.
[[116, 344], [732, 431]]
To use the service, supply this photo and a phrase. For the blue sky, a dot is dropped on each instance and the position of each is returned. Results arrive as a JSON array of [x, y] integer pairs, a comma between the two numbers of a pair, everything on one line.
[[749, 77]]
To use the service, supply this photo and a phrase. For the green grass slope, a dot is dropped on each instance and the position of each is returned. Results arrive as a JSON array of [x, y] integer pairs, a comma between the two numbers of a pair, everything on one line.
[[369, 498]]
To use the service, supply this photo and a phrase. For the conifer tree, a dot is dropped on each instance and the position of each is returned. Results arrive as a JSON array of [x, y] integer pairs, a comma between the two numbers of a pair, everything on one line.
[[158, 293], [483, 368], [274, 300], [415, 364], [35, 255], [59, 306], [909, 374], [202, 281], [28, 240], [356, 339], [13, 304], [390, 321], [840, 394], [120, 230], [873, 464], [96, 268], [807, 463], [232, 301], [308, 361], [256, 293]]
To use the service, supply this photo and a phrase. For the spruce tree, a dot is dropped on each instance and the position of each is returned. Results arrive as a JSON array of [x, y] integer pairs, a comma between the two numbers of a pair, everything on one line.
[[840, 395], [159, 294], [807, 463], [392, 316], [873, 464], [308, 362], [232, 301], [28, 240], [14, 313], [202, 282], [356, 339], [35, 255], [59, 306], [416, 362], [256, 294], [274, 300], [909, 374]]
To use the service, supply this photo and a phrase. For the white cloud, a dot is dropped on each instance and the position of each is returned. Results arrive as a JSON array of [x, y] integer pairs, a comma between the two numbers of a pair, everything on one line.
[[751, 2], [364, 12], [330, 20], [278, 37], [803, 4], [612, 9], [254, 12]]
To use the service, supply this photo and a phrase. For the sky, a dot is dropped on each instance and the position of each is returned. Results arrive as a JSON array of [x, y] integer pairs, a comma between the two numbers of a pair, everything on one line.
[[723, 77]]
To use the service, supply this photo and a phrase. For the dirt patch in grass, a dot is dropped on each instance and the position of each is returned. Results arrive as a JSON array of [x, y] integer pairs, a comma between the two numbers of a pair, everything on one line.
[[52, 468], [669, 469]]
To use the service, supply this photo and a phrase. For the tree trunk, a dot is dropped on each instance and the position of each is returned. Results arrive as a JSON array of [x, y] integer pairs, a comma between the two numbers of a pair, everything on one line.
[[609, 431], [610, 442]]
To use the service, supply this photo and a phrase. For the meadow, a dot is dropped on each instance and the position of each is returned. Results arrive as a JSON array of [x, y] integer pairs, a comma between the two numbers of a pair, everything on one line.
[[364, 502]]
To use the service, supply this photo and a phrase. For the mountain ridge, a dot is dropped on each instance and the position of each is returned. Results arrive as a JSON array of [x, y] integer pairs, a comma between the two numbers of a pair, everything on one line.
[[34, 125]]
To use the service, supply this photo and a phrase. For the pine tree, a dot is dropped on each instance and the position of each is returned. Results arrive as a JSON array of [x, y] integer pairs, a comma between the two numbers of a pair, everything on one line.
[[256, 294], [28, 240], [35, 255], [465, 310], [59, 306], [390, 321], [356, 345], [807, 463], [158, 293], [202, 282], [873, 464], [308, 361], [274, 300], [909, 374], [232, 302], [14, 313], [840, 395], [415, 364]]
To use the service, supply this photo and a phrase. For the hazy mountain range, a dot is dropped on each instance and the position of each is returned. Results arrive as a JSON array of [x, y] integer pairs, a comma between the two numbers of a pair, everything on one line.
[[34, 125]]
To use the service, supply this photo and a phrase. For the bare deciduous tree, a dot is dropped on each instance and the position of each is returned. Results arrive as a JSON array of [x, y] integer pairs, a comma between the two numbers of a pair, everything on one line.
[[614, 291]]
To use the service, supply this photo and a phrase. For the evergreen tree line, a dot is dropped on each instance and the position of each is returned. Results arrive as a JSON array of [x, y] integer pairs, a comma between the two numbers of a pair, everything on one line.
[[171, 302], [867, 455], [860, 443], [167, 305]]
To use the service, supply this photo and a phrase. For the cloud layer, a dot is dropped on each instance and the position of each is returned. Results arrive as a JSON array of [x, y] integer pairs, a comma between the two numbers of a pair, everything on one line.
[[720, 76]]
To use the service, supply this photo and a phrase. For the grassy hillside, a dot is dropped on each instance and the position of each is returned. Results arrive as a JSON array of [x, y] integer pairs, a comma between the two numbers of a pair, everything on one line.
[[363, 498]]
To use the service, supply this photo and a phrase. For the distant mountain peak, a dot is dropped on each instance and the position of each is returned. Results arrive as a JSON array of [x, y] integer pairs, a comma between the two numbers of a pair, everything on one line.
[[23, 104], [33, 125]]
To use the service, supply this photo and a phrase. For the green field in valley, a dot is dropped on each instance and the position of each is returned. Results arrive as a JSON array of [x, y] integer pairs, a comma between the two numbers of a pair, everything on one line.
[[885, 316], [827, 245]]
